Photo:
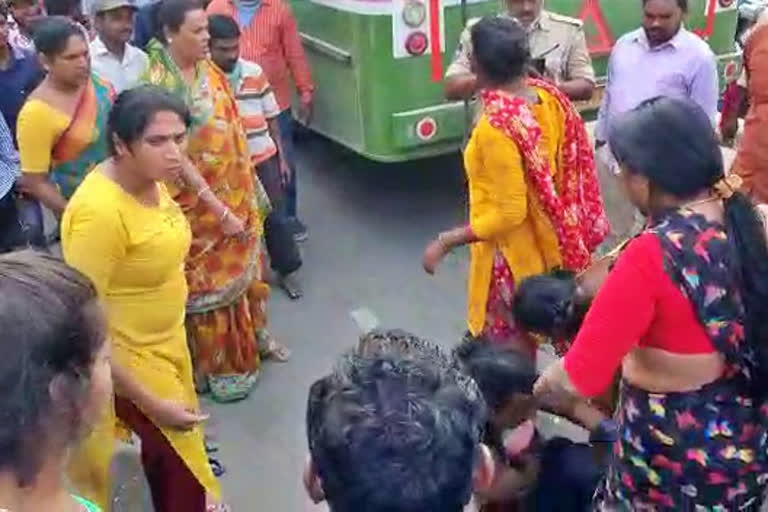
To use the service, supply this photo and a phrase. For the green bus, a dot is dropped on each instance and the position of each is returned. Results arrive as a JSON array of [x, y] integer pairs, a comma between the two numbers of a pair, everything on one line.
[[378, 64]]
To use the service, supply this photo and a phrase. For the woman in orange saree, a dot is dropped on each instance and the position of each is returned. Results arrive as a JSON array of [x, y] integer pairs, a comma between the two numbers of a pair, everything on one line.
[[226, 308], [752, 158]]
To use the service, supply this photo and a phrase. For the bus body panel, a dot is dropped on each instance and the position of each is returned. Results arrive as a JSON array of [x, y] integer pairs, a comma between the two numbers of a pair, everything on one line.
[[391, 109]]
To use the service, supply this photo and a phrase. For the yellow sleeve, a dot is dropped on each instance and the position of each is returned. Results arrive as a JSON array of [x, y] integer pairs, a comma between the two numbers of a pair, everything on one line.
[[93, 239], [505, 182], [37, 130]]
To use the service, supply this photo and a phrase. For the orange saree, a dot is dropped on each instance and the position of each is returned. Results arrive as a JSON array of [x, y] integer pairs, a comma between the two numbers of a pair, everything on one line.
[[752, 158], [226, 310]]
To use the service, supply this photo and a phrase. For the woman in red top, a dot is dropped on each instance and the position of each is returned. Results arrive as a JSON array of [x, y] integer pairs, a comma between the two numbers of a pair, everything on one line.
[[682, 313]]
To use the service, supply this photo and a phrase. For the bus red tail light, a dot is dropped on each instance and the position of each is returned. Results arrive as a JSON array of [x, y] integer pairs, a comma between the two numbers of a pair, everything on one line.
[[426, 129], [417, 43]]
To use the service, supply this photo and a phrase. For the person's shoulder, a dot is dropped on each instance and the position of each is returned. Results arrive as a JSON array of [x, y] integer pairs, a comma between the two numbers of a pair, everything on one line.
[[695, 43], [630, 37], [96, 196], [136, 53], [561, 20], [251, 68]]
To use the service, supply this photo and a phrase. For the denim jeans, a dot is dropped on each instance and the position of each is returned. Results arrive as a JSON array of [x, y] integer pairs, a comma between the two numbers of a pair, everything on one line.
[[290, 205]]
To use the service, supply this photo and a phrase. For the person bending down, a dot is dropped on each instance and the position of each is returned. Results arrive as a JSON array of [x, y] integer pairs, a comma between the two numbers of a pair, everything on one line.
[[533, 473]]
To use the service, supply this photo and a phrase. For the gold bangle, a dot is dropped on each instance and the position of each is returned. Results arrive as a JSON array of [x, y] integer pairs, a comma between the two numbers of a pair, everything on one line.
[[224, 215]]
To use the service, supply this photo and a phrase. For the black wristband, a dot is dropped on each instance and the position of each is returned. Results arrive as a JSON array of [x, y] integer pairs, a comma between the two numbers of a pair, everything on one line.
[[607, 431]]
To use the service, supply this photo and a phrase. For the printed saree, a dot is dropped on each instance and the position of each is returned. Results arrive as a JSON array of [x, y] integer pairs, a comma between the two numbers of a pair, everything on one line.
[[84, 143], [226, 309], [703, 449]]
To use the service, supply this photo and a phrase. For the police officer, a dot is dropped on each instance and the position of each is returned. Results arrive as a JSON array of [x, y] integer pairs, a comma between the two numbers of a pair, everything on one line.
[[557, 42]]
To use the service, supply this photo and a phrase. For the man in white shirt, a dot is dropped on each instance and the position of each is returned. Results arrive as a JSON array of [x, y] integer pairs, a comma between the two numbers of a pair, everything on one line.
[[112, 57]]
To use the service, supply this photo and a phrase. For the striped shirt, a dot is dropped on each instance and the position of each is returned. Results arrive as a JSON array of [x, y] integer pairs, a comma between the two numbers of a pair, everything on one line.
[[272, 40], [257, 105], [9, 159]]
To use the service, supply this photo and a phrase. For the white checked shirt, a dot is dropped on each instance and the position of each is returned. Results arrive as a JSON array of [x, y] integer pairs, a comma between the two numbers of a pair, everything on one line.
[[9, 159], [124, 74]]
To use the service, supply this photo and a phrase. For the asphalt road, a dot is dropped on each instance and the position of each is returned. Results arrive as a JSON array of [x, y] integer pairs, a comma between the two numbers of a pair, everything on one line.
[[368, 226]]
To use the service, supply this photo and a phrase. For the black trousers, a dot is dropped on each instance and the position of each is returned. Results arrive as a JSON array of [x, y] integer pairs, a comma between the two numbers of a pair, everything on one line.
[[21, 223], [284, 255]]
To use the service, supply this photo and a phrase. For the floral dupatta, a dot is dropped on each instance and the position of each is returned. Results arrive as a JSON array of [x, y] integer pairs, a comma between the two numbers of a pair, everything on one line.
[[83, 145], [575, 207]]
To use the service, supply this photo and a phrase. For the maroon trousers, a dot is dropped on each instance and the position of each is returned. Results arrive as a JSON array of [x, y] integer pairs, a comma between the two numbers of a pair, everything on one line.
[[174, 488]]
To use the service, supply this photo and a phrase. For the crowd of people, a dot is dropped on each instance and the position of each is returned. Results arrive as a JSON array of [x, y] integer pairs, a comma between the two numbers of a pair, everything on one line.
[[159, 136]]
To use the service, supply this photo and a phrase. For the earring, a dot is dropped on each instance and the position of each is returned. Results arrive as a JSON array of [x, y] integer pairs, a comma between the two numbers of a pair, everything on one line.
[[170, 40]]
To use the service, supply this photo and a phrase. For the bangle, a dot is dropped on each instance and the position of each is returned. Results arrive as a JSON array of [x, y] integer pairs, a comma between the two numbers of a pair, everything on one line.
[[444, 240], [224, 215], [203, 190]]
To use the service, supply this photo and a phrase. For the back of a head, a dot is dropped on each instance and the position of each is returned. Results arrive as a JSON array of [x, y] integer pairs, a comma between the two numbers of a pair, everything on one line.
[[670, 141], [542, 303], [498, 373], [52, 330], [501, 49], [394, 432]]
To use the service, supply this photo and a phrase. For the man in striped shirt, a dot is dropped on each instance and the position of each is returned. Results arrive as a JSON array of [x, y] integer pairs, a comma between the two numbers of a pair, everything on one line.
[[270, 38], [259, 112]]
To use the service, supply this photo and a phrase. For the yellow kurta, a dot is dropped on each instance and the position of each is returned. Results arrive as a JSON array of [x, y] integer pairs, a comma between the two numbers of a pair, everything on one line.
[[504, 213], [135, 256]]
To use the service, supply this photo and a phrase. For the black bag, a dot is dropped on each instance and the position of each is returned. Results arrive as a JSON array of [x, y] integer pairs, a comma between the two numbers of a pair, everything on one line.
[[21, 223]]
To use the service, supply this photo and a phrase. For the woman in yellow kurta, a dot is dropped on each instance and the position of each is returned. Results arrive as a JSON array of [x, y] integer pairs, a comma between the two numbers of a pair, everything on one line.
[[124, 231], [534, 200]]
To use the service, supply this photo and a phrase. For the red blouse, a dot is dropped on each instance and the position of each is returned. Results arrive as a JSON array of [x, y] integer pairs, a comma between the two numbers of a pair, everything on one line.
[[638, 305]]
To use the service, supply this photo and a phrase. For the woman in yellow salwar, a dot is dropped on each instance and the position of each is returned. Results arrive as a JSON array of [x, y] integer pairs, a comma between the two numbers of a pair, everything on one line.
[[123, 230], [227, 300], [534, 200], [61, 126]]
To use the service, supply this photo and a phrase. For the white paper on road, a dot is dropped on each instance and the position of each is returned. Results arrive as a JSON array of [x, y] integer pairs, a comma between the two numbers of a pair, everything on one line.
[[365, 319]]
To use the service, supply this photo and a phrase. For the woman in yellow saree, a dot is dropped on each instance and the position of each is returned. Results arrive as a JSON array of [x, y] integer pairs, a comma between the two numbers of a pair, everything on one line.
[[62, 125], [226, 306]]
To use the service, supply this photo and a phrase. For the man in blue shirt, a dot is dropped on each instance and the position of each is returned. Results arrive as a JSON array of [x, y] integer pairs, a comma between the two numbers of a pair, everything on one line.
[[9, 171], [19, 75]]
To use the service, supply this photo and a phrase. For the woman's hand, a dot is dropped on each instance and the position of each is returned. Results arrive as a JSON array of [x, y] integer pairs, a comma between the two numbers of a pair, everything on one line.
[[553, 380], [232, 225], [433, 255], [175, 415]]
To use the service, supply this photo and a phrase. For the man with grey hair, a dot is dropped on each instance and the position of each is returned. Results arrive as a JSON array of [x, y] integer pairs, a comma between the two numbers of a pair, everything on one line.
[[396, 427]]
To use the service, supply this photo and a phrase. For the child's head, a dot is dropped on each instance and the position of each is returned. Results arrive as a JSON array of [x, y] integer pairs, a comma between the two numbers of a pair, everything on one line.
[[548, 304], [505, 379]]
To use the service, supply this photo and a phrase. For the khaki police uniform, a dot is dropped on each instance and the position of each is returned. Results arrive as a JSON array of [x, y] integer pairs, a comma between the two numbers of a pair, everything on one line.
[[569, 60]]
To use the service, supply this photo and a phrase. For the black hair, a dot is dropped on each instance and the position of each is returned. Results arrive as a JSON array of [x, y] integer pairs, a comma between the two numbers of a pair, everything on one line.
[[134, 109], [546, 304], [501, 49], [672, 143], [498, 373], [171, 14], [52, 35], [222, 27], [3, 12], [52, 329], [61, 7], [395, 429], [682, 4]]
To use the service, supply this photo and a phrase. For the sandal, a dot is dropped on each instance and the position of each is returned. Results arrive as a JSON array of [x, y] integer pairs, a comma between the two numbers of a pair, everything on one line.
[[217, 467], [273, 350]]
